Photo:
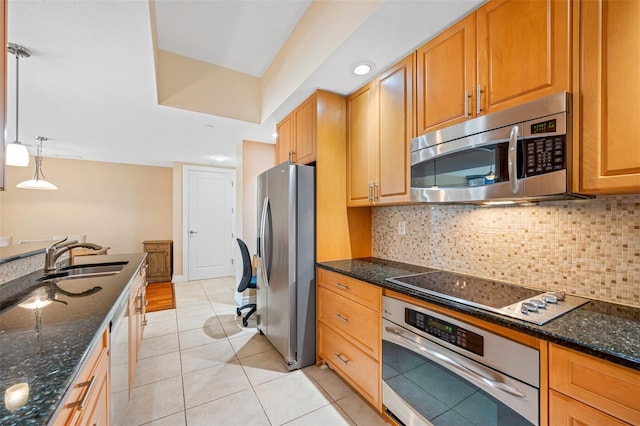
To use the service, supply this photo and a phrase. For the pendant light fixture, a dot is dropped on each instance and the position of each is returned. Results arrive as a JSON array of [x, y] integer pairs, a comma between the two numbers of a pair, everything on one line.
[[17, 153], [38, 181]]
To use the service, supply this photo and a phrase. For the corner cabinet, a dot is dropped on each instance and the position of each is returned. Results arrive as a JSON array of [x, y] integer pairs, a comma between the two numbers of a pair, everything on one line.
[[606, 91], [88, 401], [379, 129], [486, 62], [589, 390], [350, 333], [296, 141]]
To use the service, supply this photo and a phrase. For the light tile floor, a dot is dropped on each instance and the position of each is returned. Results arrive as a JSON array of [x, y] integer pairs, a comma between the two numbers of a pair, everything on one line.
[[199, 366]]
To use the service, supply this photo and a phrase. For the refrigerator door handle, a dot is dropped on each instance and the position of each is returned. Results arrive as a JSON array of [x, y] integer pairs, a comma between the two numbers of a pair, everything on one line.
[[263, 253]]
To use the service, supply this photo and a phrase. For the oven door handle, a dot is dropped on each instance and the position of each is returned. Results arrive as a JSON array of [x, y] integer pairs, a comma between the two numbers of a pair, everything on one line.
[[485, 375]]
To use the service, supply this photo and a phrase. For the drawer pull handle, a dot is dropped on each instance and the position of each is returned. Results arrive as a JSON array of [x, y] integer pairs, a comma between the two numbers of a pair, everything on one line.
[[341, 286], [80, 404], [342, 358], [341, 318]]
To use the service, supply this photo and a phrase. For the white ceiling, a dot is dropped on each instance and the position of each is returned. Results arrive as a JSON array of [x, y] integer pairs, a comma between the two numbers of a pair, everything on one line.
[[90, 86]]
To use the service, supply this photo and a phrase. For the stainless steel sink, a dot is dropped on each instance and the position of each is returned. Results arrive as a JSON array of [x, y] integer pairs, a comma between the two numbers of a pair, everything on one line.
[[84, 271]]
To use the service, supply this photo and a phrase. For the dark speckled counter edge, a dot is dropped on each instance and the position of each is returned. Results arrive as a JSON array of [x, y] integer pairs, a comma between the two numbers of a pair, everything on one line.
[[559, 331], [98, 335]]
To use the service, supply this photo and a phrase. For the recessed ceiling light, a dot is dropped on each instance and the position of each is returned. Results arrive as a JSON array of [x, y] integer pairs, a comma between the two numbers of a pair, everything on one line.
[[362, 69]]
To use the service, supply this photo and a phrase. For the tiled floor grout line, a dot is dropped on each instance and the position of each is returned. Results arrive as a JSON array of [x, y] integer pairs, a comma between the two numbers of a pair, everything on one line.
[[216, 297]]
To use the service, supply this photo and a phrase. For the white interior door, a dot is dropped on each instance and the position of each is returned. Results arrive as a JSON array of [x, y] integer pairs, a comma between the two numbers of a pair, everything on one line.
[[209, 221]]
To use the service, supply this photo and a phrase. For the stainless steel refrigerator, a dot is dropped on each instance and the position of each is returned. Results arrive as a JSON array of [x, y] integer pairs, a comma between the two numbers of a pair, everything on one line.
[[286, 297]]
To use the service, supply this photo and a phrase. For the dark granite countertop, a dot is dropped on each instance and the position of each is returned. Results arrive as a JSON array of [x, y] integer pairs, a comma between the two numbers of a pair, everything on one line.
[[47, 347], [20, 251], [605, 330]]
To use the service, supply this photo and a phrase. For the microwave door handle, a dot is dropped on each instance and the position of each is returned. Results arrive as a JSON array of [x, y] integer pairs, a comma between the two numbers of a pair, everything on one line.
[[512, 159], [488, 377]]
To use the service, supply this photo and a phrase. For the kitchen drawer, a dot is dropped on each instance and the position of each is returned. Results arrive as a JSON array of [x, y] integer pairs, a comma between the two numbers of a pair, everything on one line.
[[356, 367], [352, 319], [88, 400], [567, 411], [358, 291], [608, 387]]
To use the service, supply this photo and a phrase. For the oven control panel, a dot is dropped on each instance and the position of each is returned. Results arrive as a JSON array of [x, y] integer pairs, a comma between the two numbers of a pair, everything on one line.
[[446, 331]]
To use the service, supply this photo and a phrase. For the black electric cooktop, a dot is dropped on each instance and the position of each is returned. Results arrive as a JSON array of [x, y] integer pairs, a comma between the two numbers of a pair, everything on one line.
[[533, 305]]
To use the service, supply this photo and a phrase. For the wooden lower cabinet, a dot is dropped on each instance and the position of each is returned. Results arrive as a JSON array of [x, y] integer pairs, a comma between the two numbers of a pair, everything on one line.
[[137, 319], [88, 402], [567, 411], [605, 389], [359, 369], [349, 331]]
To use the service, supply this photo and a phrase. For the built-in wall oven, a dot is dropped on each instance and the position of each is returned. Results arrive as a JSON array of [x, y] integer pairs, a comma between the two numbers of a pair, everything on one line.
[[441, 371]]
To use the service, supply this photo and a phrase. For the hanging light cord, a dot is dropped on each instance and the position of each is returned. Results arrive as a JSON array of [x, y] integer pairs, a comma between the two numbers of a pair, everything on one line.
[[38, 174], [18, 51]]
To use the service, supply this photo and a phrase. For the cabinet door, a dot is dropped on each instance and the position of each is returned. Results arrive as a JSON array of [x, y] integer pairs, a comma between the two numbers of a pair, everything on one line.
[[305, 131], [96, 410], [395, 127], [284, 143], [523, 51], [3, 86], [567, 411], [609, 89], [446, 79], [360, 132], [88, 399]]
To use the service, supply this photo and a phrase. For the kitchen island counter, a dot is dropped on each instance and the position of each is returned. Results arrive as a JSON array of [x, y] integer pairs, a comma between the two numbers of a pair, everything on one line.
[[605, 330], [45, 344]]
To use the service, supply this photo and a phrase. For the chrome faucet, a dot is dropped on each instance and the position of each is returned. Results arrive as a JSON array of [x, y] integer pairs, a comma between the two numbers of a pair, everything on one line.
[[57, 249]]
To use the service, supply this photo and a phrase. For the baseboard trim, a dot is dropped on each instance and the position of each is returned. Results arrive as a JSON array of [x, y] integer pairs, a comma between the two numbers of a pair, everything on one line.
[[177, 279]]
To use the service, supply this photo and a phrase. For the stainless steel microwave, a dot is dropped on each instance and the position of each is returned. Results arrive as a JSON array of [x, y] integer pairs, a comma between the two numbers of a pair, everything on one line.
[[518, 154]]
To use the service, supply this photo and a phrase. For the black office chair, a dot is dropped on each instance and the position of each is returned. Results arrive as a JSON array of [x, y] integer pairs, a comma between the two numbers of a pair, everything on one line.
[[248, 280]]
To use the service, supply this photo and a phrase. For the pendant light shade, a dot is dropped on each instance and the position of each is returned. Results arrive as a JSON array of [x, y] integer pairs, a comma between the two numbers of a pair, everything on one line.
[[38, 181], [17, 153]]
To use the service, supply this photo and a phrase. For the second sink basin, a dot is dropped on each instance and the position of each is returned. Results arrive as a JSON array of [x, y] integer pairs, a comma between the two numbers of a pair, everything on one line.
[[84, 271]]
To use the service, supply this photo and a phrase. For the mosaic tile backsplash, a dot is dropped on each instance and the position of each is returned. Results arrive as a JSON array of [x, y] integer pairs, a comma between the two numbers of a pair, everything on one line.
[[589, 248]]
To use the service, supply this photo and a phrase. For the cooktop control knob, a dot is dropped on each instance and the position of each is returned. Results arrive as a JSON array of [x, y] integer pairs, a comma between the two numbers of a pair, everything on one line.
[[559, 295], [539, 303], [528, 306]]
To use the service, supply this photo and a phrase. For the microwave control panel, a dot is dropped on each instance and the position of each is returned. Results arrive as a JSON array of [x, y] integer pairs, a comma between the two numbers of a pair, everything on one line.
[[544, 154]]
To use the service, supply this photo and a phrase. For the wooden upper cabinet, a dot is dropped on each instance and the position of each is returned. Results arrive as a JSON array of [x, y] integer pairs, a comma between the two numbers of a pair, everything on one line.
[[395, 130], [380, 128], [446, 77], [285, 142], [305, 131], [607, 88], [297, 134], [523, 51], [360, 129], [505, 53]]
